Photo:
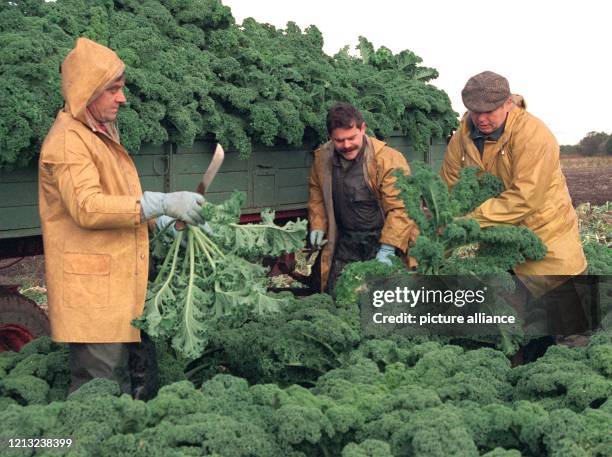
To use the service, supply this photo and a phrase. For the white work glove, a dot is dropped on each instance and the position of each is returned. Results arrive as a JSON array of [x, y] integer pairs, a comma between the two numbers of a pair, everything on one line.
[[316, 238], [162, 221], [385, 253], [184, 206]]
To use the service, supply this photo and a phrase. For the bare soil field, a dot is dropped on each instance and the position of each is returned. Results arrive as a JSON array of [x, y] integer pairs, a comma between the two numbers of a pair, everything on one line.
[[589, 179]]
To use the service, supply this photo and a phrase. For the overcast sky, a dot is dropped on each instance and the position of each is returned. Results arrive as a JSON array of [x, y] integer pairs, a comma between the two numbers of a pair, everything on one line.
[[557, 54]]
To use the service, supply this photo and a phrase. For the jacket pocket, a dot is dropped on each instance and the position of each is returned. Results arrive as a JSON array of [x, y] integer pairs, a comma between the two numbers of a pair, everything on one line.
[[86, 280]]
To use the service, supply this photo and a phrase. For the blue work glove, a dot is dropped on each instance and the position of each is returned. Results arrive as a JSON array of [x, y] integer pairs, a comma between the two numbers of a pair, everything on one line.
[[385, 253], [184, 206], [316, 238]]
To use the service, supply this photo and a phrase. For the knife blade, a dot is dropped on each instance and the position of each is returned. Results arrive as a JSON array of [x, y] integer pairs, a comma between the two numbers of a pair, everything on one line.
[[207, 177], [212, 170]]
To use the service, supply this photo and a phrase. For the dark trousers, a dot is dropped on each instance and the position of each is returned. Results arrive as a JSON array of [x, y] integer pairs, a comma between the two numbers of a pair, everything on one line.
[[566, 310], [132, 365], [352, 246], [559, 313]]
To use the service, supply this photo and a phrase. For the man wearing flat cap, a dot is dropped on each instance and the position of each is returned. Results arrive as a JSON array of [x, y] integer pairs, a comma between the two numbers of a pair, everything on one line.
[[500, 137]]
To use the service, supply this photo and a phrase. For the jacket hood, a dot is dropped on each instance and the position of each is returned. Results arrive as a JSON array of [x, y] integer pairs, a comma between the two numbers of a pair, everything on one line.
[[86, 71]]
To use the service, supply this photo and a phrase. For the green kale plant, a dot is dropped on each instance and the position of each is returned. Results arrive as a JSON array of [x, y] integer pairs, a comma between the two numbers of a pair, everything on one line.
[[385, 398], [37, 374], [447, 231], [444, 227], [305, 339], [209, 273]]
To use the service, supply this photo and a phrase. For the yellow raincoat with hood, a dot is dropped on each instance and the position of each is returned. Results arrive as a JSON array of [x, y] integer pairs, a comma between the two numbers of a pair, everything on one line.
[[379, 164], [526, 159], [96, 248]]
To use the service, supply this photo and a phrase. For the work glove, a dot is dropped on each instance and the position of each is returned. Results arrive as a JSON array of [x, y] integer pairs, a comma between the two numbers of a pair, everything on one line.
[[316, 238], [184, 206], [162, 221], [385, 253]]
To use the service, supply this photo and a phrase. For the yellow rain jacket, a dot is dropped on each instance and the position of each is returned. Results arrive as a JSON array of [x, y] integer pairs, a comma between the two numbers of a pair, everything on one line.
[[380, 161], [526, 159], [96, 248]]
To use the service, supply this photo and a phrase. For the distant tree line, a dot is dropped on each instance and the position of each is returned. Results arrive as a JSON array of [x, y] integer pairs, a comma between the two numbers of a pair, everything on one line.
[[594, 143]]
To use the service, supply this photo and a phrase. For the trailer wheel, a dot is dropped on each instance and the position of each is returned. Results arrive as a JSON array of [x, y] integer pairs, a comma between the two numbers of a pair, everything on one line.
[[21, 321]]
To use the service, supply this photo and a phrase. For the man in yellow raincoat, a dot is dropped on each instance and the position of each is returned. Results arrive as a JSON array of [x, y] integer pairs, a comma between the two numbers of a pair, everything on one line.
[[352, 198], [500, 137], [94, 220]]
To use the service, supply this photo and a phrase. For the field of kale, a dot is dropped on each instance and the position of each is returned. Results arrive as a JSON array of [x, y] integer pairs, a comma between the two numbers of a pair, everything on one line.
[[373, 398]]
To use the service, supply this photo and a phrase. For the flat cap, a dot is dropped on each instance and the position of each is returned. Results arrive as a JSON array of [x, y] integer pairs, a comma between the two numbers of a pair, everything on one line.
[[485, 91]]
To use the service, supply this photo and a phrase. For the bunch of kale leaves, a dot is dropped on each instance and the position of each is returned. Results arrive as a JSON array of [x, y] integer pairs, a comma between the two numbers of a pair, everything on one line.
[[209, 273], [442, 217]]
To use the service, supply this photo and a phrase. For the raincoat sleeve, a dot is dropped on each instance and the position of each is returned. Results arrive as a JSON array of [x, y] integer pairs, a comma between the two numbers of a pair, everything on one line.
[[399, 229], [79, 186], [316, 204], [451, 165], [534, 152]]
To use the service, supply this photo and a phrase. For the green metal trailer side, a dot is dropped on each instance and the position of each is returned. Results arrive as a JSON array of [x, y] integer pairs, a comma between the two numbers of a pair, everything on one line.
[[273, 177]]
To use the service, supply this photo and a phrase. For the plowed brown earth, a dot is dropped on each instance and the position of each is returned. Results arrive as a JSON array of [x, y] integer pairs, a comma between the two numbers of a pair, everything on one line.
[[588, 179]]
